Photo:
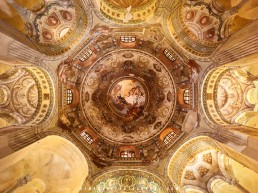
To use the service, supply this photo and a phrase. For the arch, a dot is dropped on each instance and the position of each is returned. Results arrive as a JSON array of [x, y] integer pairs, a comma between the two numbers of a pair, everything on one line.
[[226, 93], [184, 96], [129, 180], [167, 131], [248, 118], [194, 28], [199, 153], [27, 96], [130, 12], [128, 152], [61, 24], [241, 176], [86, 136], [63, 166], [201, 162], [170, 137], [90, 132], [4, 67], [72, 96], [249, 10], [10, 16], [220, 186], [246, 13], [252, 96], [220, 6], [194, 189]]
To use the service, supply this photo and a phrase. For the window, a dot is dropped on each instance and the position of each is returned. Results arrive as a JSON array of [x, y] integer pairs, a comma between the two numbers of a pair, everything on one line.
[[187, 96], [170, 137], [86, 55], [69, 96], [169, 55], [128, 39], [127, 154], [87, 137]]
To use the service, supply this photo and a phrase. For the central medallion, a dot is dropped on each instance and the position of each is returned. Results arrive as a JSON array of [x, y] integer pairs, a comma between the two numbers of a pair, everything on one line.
[[127, 97]]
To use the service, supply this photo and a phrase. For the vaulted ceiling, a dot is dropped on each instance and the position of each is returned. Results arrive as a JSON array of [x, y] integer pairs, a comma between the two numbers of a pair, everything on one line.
[[128, 81]]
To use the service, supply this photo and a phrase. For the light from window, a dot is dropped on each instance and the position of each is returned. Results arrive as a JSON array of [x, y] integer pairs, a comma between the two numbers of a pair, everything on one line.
[[170, 137], [86, 55], [187, 96], [87, 137], [169, 55], [69, 96], [127, 154], [128, 39]]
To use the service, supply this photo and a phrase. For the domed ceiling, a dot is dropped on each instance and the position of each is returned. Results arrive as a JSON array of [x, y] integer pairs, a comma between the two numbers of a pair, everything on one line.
[[196, 28], [224, 106], [54, 26], [128, 96], [27, 96], [128, 12], [128, 181], [120, 98]]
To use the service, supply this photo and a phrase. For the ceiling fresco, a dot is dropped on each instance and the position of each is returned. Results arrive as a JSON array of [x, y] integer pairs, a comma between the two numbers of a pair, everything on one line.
[[228, 102], [122, 112], [194, 163], [136, 86], [61, 20], [28, 95], [201, 24], [120, 96], [128, 12], [128, 98], [59, 24], [196, 28], [131, 181]]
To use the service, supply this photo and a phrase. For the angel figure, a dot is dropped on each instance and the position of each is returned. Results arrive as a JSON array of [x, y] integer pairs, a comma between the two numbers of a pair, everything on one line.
[[128, 15]]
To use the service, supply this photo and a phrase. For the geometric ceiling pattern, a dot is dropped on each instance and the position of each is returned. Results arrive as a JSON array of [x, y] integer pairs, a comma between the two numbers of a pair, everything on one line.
[[134, 85]]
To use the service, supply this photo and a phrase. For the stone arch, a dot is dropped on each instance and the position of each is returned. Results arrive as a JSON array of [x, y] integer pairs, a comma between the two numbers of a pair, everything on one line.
[[63, 168]]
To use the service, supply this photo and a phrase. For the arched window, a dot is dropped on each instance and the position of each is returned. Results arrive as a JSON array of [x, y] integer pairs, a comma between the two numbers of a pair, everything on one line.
[[169, 55], [170, 137], [128, 39], [86, 55], [187, 96], [69, 96], [127, 154], [87, 137]]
